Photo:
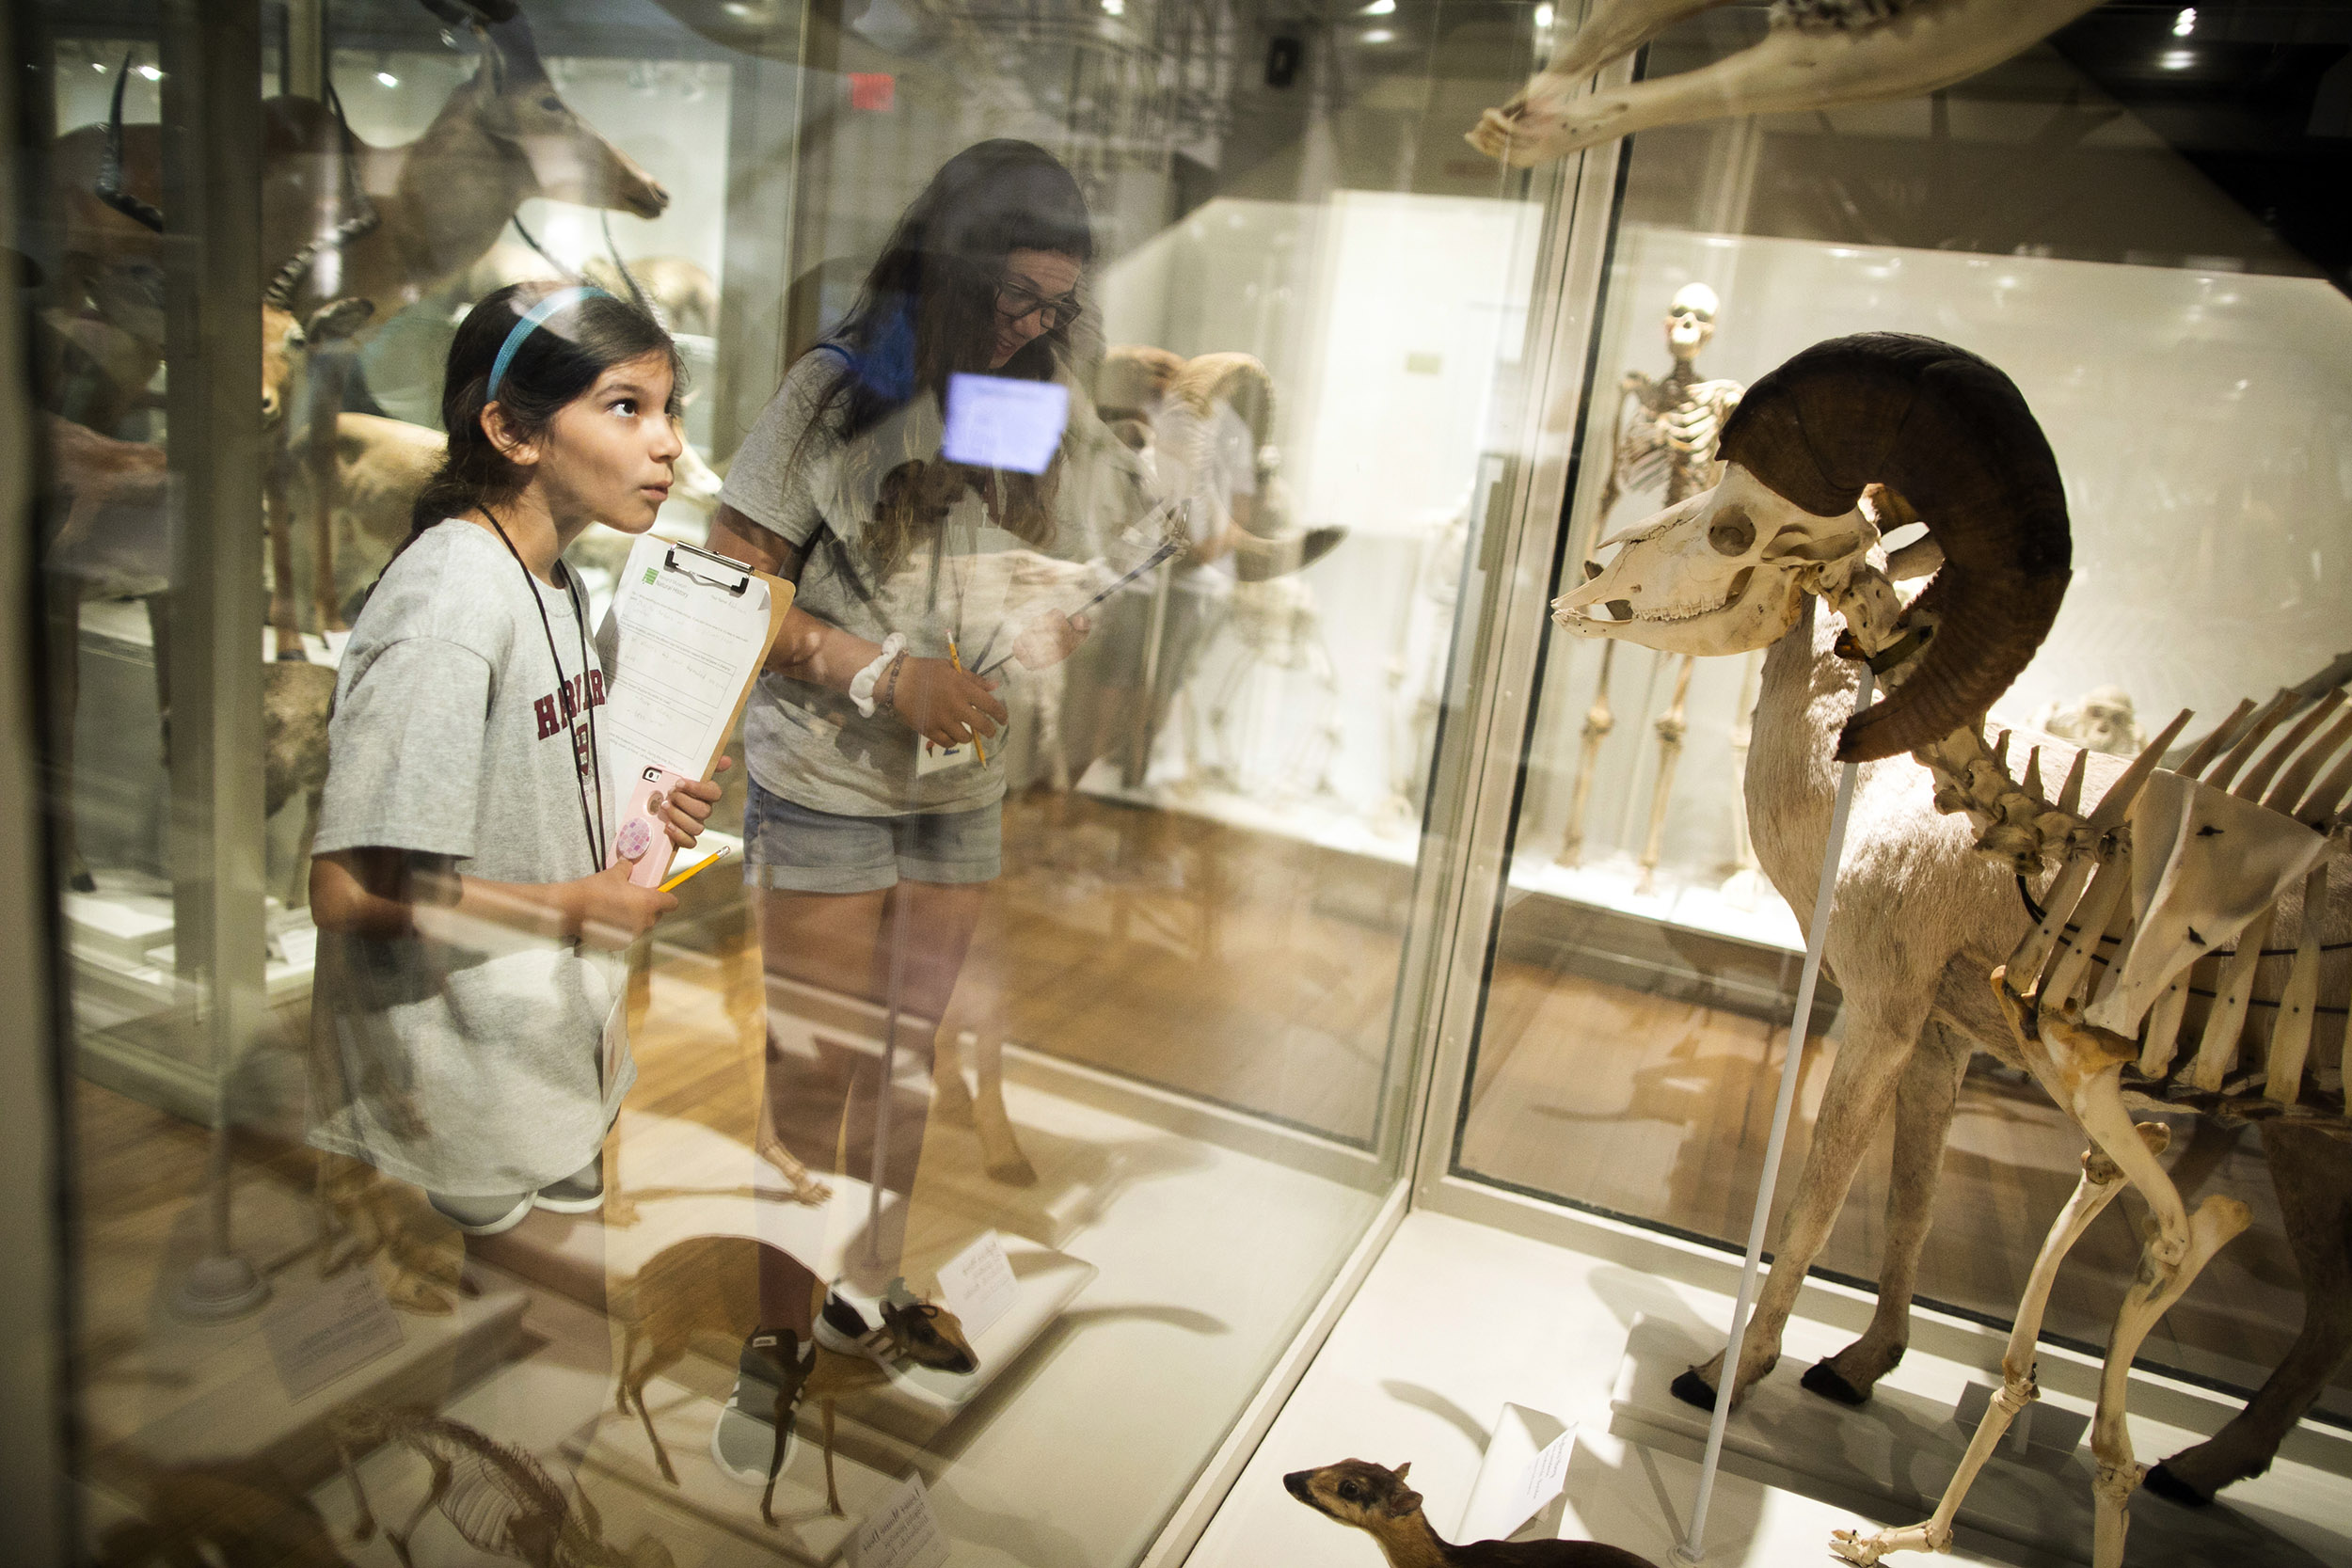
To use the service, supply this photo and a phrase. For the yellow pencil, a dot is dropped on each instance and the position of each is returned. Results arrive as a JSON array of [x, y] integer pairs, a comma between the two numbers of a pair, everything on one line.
[[696, 869], [956, 659]]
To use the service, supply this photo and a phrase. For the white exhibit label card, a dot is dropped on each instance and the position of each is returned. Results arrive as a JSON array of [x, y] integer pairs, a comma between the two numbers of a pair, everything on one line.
[[342, 1325], [979, 1284], [903, 1532], [1525, 1468], [1545, 1475]]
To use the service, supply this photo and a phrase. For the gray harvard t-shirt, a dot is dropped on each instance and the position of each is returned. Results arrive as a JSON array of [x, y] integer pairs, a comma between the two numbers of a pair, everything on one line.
[[970, 583], [471, 1065]]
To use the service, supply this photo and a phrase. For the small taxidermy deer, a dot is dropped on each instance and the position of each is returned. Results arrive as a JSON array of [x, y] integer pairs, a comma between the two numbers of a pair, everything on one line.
[[1377, 1501], [709, 1285]]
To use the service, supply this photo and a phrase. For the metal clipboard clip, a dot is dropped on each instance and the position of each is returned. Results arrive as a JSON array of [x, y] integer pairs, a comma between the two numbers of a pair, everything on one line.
[[740, 576]]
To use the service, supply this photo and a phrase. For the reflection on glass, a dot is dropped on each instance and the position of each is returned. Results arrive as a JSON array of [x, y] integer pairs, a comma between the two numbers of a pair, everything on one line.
[[1003, 1103]]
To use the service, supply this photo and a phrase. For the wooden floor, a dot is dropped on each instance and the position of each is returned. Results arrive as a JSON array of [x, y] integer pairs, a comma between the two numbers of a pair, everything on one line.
[[1260, 973]]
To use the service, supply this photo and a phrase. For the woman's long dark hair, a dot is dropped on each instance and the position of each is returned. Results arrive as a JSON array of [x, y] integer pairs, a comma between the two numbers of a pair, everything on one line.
[[928, 310], [559, 361]]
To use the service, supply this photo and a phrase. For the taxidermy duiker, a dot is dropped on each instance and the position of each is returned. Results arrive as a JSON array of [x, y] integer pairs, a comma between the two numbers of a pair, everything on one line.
[[1377, 1501]]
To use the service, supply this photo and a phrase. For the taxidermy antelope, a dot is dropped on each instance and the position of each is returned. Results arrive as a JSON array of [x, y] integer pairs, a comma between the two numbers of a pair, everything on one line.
[[1818, 54], [709, 1285], [1922, 918], [383, 225], [2172, 866], [493, 1494], [1377, 1501]]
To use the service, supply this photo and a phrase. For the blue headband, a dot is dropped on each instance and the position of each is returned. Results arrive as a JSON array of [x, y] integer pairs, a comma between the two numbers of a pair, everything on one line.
[[530, 324]]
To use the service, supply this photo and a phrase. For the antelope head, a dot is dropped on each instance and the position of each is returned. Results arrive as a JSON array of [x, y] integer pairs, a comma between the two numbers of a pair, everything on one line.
[[286, 336], [512, 101], [1356, 1492], [1941, 432], [927, 1335]]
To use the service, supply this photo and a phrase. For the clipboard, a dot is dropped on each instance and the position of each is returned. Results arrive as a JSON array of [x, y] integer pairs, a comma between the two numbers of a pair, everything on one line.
[[683, 643]]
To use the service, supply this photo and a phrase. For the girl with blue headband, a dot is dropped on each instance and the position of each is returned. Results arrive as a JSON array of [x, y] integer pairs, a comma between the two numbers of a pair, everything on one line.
[[468, 1028]]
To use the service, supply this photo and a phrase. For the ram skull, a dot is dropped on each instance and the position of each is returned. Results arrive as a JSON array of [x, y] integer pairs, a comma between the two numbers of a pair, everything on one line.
[[1724, 572]]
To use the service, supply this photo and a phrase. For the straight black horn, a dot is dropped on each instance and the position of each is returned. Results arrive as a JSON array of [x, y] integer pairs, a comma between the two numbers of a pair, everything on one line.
[[109, 188], [1953, 435]]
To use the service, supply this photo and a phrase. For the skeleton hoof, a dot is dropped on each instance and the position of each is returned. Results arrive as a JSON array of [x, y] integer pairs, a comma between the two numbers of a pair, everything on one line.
[[1823, 1379]]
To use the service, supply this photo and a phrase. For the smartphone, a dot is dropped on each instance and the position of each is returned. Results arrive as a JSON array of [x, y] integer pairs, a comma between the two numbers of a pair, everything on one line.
[[642, 834]]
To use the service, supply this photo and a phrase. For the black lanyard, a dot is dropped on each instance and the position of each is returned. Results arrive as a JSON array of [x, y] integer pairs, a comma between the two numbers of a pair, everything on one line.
[[591, 824]]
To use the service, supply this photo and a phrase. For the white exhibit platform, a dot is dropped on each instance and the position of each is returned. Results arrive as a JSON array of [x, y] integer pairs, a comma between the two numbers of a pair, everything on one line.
[[804, 1532], [1892, 1457], [1457, 1320]]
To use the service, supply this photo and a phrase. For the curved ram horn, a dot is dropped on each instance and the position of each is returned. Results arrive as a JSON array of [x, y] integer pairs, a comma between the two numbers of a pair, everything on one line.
[[1953, 435], [109, 188]]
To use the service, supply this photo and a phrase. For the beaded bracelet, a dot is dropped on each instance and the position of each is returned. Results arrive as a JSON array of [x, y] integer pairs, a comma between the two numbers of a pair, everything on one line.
[[890, 684], [861, 684]]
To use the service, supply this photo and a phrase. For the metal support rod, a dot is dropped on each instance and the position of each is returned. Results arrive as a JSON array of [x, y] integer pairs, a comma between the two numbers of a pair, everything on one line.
[[1693, 1549], [889, 1071], [211, 60]]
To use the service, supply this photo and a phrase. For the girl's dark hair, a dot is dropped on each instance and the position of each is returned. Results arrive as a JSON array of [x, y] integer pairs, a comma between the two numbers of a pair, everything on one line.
[[928, 310], [557, 362]]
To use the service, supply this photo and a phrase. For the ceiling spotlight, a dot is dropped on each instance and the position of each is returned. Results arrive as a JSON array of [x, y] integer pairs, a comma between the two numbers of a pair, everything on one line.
[[1378, 34], [1114, 7], [2177, 59], [1544, 15], [385, 78], [153, 73], [2186, 23], [1378, 8]]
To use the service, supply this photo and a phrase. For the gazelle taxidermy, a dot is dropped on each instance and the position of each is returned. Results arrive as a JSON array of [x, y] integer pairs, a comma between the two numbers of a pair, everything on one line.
[[385, 226], [1818, 54], [710, 1286], [1923, 919], [1377, 1501]]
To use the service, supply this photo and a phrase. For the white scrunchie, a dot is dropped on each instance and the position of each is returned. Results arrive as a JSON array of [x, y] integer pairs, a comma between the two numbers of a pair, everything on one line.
[[861, 684]]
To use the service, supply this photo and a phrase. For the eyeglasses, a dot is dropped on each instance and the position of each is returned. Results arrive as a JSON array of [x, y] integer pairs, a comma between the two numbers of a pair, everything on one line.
[[1014, 302]]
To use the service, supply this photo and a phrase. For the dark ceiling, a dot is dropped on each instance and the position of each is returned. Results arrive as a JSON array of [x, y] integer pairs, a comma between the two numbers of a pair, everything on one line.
[[2257, 97]]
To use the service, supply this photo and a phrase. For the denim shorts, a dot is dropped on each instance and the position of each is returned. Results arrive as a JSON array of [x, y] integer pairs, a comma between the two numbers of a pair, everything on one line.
[[796, 849]]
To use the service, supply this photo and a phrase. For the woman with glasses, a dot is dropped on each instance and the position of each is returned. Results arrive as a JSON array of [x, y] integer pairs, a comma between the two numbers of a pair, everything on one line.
[[926, 581]]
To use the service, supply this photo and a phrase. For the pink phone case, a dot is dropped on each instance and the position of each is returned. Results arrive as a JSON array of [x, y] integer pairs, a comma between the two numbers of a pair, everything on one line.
[[641, 834]]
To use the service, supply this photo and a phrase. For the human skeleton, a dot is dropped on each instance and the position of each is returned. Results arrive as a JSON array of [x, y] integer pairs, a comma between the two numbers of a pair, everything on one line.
[[1666, 441]]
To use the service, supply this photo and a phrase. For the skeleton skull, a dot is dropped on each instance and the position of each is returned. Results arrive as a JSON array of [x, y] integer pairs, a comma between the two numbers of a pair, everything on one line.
[[1724, 572], [1690, 319]]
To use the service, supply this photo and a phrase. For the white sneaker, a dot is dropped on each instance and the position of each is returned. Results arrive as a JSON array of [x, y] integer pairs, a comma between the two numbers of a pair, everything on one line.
[[743, 1438]]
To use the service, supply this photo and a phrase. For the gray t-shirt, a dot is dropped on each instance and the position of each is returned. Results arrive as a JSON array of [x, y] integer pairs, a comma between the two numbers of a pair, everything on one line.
[[971, 582], [473, 1064]]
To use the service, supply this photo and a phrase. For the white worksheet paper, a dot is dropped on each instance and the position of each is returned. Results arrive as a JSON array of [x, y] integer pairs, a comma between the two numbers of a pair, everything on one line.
[[678, 650]]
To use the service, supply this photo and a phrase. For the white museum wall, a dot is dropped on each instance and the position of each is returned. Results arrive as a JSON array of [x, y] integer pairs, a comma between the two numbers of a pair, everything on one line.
[[2203, 529], [1389, 322]]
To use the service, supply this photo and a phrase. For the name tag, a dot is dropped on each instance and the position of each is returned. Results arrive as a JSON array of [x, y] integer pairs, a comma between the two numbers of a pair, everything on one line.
[[929, 759]]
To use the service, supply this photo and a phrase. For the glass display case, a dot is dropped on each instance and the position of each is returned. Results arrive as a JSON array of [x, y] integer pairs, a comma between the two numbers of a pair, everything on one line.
[[1312, 884]]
